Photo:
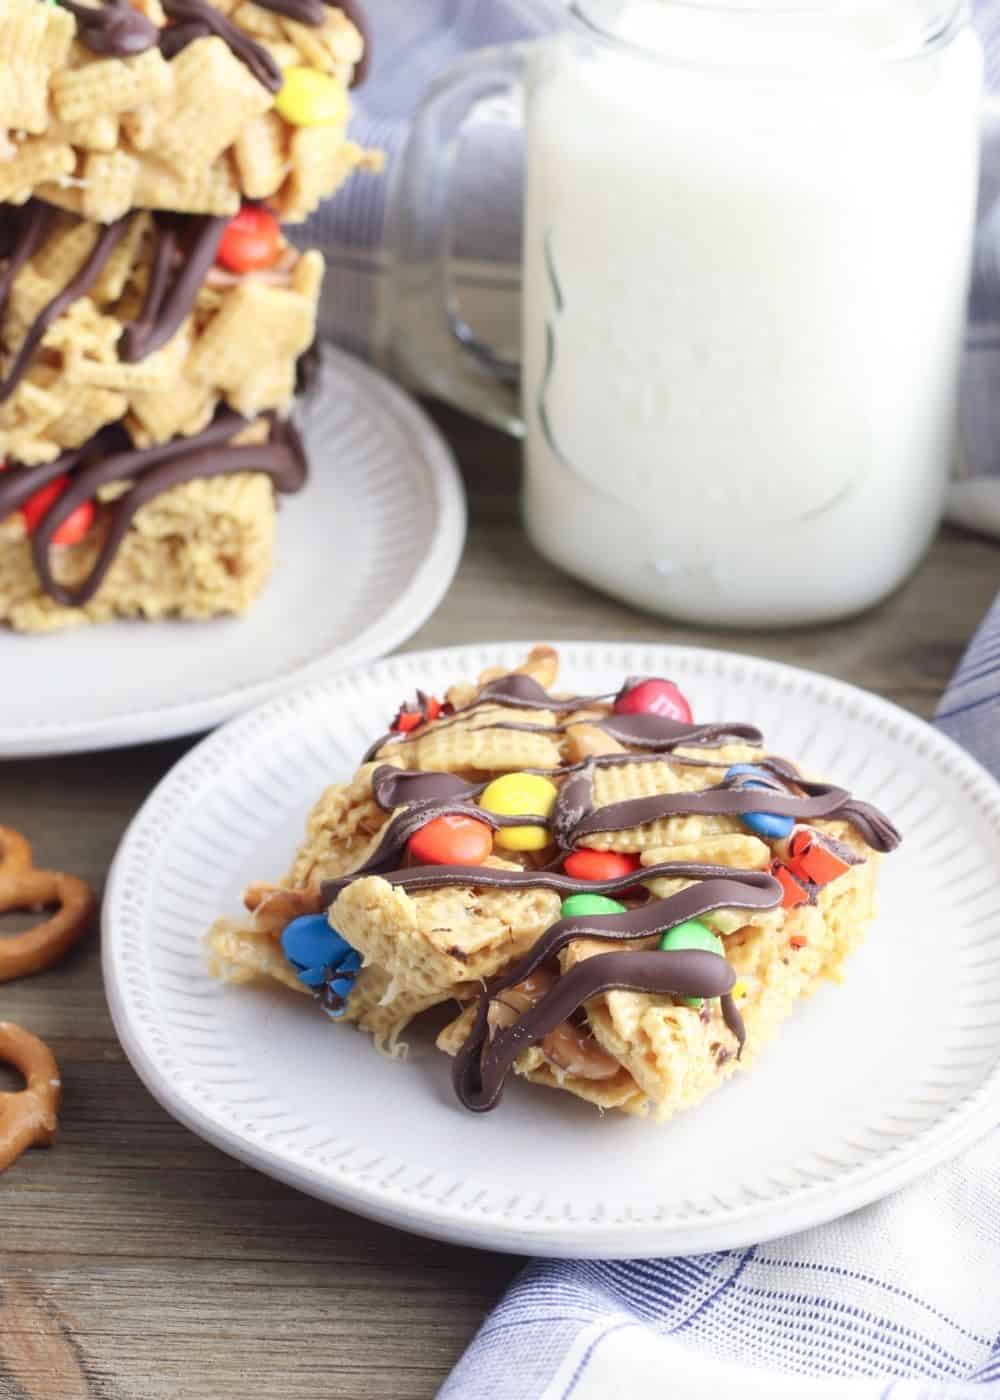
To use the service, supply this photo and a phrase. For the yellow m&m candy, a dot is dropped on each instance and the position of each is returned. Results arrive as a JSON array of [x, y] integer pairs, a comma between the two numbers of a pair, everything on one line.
[[517, 795], [311, 98]]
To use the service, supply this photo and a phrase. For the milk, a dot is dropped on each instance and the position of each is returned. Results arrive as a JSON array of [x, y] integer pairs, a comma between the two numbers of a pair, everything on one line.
[[746, 262]]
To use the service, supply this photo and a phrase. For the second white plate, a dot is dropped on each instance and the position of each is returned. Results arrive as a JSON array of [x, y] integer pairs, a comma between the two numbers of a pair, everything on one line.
[[363, 557], [868, 1085]]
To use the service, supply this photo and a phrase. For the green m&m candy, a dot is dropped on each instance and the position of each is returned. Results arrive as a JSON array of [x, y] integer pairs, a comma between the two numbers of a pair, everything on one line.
[[581, 906], [693, 934]]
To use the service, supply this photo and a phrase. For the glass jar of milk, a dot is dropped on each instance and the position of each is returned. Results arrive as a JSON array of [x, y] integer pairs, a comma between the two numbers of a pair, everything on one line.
[[747, 246]]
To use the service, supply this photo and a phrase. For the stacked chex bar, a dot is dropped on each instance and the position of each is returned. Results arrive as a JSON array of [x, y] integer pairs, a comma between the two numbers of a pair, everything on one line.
[[154, 320]]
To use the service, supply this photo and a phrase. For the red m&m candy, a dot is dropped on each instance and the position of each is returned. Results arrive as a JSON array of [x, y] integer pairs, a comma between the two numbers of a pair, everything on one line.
[[599, 865], [76, 524], [252, 241], [452, 840], [654, 697]]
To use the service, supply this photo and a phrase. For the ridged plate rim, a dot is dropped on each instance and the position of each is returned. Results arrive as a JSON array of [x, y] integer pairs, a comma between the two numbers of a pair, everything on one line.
[[441, 1211], [430, 467]]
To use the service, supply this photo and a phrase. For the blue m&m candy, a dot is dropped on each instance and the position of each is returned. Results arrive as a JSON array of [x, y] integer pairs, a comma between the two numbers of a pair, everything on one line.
[[312, 946], [322, 959], [767, 825]]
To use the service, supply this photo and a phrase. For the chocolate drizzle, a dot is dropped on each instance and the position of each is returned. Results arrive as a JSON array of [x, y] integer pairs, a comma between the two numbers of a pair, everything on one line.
[[307, 370], [22, 231], [525, 693], [395, 836], [77, 287], [731, 798], [197, 18], [176, 37], [486, 877], [108, 458], [574, 802], [483, 1063], [771, 785], [574, 817], [653, 732], [718, 887], [113, 29], [185, 251], [394, 787], [656, 733], [313, 14]]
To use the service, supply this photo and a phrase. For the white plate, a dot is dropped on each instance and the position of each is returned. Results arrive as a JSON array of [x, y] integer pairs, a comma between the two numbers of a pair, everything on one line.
[[363, 557], [869, 1085]]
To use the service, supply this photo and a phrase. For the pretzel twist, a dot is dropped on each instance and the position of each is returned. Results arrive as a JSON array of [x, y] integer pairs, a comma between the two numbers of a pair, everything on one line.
[[22, 887], [15, 852], [30, 1116]]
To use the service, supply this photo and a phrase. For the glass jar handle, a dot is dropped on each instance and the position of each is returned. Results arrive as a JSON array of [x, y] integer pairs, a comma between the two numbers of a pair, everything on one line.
[[421, 335]]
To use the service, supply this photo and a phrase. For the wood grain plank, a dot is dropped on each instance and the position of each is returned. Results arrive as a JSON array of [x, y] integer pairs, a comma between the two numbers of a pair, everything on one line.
[[139, 1263]]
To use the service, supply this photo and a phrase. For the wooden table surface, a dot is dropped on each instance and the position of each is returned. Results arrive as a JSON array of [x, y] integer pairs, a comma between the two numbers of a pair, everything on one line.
[[136, 1262]]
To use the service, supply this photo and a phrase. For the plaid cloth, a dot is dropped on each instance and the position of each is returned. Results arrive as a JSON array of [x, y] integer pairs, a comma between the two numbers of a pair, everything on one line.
[[975, 500]]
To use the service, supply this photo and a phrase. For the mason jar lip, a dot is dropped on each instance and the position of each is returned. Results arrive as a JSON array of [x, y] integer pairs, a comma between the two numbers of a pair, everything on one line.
[[954, 16]]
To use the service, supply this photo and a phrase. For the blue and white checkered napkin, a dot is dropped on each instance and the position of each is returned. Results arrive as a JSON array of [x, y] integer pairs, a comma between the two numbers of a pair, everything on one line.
[[416, 40], [900, 1301], [975, 500]]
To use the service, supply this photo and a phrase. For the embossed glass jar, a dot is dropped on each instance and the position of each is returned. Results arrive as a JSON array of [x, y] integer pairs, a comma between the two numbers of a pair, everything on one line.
[[748, 233]]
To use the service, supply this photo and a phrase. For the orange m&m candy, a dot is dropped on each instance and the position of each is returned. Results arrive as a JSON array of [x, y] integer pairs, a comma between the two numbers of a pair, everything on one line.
[[412, 716], [812, 859], [452, 840], [599, 865], [794, 895], [252, 241]]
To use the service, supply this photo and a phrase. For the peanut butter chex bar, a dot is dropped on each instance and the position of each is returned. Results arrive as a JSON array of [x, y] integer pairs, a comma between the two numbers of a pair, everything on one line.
[[729, 887], [148, 354], [199, 551], [192, 125], [239, 351], [201, 548], [35, 44]]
